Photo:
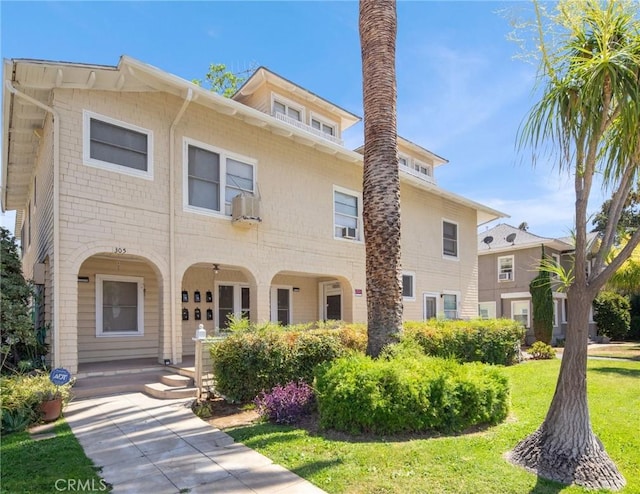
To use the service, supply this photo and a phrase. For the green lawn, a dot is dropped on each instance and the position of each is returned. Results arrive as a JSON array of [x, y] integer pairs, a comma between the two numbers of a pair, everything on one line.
[[471, 463], [51, 465]]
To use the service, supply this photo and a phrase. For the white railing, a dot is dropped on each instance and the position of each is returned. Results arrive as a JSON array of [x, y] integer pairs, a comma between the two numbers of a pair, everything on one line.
[[415, 173], [307, 128]]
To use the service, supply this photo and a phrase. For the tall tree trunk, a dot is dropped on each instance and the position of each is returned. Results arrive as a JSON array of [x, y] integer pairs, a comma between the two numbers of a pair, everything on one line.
[[381, 181], [564, 448]]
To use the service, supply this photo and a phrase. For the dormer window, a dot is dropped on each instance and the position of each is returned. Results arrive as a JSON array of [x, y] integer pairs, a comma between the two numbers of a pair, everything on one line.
[[323, 127], [286, 109]]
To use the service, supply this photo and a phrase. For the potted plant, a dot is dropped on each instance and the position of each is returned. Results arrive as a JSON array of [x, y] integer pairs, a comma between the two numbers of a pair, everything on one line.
[[51, 397]]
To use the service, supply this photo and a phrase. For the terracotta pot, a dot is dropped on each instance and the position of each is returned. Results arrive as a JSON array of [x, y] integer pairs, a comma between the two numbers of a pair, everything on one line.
[[51, 409]]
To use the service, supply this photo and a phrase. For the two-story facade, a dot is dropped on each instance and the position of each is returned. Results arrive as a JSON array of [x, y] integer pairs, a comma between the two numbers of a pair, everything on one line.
[[508, 260], [147, 205]]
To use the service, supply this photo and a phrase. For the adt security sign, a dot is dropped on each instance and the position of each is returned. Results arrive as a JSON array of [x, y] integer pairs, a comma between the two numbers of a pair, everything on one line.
[[59, 376]]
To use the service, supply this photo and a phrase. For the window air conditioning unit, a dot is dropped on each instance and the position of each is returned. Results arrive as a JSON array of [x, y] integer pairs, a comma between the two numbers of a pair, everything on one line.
[[348, 232], [245, 208], [504, 276]]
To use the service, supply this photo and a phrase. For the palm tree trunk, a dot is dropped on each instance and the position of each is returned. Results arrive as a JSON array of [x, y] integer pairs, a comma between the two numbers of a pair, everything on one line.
[[564, 448], [381, 182]]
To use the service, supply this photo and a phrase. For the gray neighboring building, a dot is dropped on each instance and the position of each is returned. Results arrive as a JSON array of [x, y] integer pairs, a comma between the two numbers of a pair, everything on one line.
[[508, 259]]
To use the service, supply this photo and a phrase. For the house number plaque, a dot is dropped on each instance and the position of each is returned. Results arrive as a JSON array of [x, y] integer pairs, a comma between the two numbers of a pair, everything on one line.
[[119, 250]]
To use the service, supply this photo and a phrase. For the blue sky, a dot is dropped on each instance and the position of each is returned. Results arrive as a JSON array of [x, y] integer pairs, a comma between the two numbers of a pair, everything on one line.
[[461, 93]]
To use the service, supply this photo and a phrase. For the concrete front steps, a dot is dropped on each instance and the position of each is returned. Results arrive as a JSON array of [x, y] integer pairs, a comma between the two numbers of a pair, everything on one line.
[[158, 384]]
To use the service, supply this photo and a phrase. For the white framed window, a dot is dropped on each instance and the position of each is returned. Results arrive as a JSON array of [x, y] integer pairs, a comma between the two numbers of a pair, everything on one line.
[[487, 310], [119, 305], [520, 312], [404, 160], [117, 146], [430, 305], [281, 305], [233, 299], [213, 177], [423, 168], [556, 262], [283, 106], [555, 313], [324, 126], [505, 268], [449, 239], [450, 305], [347, 214], [408, 286]]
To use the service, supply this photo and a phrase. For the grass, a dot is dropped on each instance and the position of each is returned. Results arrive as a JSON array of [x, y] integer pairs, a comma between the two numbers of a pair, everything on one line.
[[617, 350], [57, 464], [470, 463]]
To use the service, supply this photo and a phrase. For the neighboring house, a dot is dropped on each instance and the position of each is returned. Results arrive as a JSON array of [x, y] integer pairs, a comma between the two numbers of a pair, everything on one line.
[[508, 260], [147, 205]]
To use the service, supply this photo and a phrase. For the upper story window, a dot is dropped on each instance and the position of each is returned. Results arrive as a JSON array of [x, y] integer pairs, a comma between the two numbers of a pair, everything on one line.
[[408, 286], [449, 239], [323, 127], [283, 107], [505, 268], [556, 261], [214, 178], [346, 214], [117, 146]]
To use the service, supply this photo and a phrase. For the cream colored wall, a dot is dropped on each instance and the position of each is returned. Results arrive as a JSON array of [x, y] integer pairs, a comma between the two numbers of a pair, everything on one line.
[[92, 348], [422, 216], [104, 211]]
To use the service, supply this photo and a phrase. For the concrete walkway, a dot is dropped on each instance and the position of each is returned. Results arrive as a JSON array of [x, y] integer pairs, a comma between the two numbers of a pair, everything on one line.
[[145, 445]]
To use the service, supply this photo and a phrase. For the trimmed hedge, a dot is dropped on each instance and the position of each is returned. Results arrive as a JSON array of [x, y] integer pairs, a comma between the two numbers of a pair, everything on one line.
[[492, 341], [409, 393], [246, 363]]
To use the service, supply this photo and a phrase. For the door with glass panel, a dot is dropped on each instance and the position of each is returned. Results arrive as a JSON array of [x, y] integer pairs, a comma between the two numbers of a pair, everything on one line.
[[233, 301], [281, 305], [430, 305]]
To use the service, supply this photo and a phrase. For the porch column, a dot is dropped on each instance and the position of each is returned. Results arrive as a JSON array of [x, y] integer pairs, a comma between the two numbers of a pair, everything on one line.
[[260, 302]]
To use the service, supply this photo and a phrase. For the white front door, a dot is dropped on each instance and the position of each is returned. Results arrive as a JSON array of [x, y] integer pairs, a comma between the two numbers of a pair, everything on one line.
[[520, 312]]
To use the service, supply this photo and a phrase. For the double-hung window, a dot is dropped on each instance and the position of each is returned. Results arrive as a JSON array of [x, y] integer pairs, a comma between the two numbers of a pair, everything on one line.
[[119, 305], [408, 286], [117, 146], [450, 305], [346, 213], [449, 239], [505, 268], [214, 178]]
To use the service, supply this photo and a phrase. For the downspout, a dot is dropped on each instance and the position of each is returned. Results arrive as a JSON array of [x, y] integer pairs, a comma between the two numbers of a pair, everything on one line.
[[172, 221], [56, 215]]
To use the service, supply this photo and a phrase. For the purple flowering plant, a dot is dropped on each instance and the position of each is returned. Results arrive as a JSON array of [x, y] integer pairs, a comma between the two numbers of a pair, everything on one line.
[[286, 404]]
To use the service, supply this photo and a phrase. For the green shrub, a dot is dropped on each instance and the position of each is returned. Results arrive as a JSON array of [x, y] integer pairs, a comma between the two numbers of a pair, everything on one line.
[[409, 393], [541, 351], [246, 363], [492, 341], [612, 314], [22, 396]]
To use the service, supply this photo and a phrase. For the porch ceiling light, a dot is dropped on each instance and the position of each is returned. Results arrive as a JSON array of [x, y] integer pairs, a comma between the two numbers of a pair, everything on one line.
[[216, 268]]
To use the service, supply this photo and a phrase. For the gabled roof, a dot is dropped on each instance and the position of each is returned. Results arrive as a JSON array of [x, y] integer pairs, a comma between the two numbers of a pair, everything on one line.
[[263, 74], [23, 119], [495, 240], [417, 150]]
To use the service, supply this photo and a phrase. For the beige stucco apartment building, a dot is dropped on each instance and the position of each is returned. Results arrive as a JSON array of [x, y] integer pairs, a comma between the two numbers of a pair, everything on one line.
[[147, 205]]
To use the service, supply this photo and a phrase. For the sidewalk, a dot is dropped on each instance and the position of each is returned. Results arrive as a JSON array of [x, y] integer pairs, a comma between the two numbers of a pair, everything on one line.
[[147, 445]]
